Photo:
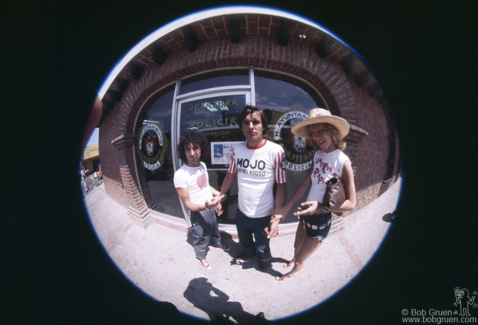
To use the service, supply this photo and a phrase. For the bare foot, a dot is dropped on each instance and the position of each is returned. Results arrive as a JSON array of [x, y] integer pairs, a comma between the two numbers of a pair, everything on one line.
[[283, 277], [288, 264]]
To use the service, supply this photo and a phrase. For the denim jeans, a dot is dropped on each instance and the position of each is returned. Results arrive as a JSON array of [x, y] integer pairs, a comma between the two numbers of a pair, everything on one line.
[[246, 227], [205, 231]]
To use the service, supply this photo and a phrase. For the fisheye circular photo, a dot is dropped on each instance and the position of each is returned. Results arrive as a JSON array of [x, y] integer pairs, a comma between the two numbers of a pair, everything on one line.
[[243, 164]]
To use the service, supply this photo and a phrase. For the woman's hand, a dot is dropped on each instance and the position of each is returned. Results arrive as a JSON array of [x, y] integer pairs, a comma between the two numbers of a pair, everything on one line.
[[310, 208]]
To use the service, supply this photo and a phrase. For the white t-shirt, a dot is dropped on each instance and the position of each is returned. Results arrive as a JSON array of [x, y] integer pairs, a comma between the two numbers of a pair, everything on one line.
[[257, 169], [326, 166], [196, 180]]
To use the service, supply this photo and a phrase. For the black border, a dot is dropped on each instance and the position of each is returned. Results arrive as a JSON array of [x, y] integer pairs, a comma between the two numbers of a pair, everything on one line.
[[56, 55]]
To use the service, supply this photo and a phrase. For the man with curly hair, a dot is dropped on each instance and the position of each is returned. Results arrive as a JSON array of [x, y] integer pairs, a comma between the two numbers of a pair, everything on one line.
[[258, 164], [192, 184]]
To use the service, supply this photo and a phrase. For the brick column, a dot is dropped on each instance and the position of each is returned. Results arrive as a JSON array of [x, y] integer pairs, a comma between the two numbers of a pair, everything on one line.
[[137, 207]]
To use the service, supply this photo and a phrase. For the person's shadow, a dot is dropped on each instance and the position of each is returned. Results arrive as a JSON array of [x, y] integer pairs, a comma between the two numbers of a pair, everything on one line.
[[203, 295], [235, 250], [389, 217]]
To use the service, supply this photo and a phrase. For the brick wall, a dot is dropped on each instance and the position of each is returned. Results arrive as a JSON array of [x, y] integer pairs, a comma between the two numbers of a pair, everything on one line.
[[339, 90], [372, 152]]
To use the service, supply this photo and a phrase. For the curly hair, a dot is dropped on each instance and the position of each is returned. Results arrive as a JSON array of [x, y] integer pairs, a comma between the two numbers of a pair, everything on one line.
[[248, 109], [193, 137], [333, 132]]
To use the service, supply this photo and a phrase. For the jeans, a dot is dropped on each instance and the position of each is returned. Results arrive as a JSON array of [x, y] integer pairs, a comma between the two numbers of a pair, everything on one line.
[[204, 231], [246, 227]]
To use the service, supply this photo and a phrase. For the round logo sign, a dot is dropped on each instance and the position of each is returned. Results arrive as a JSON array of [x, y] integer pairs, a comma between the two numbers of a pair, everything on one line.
[[298, 158], [150, 146]]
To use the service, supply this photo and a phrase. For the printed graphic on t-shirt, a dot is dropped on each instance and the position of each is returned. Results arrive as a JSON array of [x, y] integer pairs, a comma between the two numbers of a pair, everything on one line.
[[254, 167], [322, 167], [263, 164], [201, 181]]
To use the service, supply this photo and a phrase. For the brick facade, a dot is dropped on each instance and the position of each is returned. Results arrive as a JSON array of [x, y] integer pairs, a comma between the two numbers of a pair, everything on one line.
[[361, 105]]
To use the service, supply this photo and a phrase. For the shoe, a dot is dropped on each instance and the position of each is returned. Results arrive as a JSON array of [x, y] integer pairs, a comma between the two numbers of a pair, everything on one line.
[[205, 264], [245, 255], [224, 247], [264, 265]]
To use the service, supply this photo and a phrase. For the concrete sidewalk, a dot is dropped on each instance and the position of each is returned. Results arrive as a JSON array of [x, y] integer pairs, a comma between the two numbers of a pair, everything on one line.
[[161, 262]]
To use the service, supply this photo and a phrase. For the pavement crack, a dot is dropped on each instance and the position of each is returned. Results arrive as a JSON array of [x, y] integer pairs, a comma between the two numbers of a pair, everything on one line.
[[122, 232], [358, 263]]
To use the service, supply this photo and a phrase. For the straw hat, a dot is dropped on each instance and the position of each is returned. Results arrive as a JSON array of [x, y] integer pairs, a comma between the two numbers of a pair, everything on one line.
[[320, 115]]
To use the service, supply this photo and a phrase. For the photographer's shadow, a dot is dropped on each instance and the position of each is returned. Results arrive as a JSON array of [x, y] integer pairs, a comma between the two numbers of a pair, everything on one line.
[[389, 217], [215, 303]]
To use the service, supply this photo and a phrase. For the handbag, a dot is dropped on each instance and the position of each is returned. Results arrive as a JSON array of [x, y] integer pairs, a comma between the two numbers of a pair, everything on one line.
[[334, 195]]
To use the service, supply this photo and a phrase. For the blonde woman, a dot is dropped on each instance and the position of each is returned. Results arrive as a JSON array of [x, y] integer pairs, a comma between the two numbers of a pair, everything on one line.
[[325, 133]]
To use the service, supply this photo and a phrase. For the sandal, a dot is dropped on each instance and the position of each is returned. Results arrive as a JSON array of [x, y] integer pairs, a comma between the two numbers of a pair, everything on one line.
[[205, 264]]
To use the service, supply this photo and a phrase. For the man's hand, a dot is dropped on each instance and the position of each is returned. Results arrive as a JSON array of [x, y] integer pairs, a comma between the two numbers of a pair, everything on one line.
[[222, 196], [279, 214], [272, 230], [218, 209]]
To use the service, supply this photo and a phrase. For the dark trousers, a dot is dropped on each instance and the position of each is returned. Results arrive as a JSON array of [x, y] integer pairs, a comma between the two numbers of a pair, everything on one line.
[[246, 227], [204, 231]]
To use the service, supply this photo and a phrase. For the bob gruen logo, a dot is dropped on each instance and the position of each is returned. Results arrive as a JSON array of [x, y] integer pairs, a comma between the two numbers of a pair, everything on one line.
[[296, 159], [150, 146], [463, 300]]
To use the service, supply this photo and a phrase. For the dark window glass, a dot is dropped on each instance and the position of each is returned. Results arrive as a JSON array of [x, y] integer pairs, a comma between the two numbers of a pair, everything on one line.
[[156, 158], [222, 78], [282, 93], [287, 101], [216, 117]]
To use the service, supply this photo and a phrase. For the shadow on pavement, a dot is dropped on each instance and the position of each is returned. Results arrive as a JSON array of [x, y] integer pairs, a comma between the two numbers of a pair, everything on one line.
[[389, 217], [215, 303]]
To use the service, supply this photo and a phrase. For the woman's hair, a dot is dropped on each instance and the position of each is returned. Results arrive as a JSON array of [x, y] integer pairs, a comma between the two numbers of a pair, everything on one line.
[[248, 109], [332, 130], [193, 137]]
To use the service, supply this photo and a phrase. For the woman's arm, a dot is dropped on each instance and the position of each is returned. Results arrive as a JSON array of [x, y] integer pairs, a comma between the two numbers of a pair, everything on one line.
[[281, 213], [183, 193], [348, 180], [349, 203]]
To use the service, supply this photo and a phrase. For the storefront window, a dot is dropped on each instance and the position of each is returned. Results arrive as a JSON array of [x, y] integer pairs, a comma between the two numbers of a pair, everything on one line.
[[217, 118], [154, 148], [221, 78], [287, 101]]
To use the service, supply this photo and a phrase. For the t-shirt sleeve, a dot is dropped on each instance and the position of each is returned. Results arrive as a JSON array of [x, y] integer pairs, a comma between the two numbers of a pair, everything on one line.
[[279, 168], [342, 159], [233, 166], [179, 179]]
